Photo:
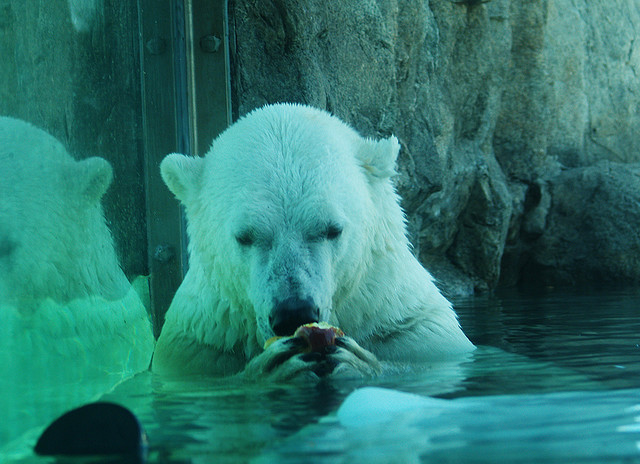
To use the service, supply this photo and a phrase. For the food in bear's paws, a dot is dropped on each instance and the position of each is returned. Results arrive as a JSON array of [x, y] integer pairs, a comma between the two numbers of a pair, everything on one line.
[[318, 335], [272, 340]]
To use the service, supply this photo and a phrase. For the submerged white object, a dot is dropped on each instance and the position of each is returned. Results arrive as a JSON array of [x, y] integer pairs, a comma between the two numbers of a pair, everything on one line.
[[372, 405]]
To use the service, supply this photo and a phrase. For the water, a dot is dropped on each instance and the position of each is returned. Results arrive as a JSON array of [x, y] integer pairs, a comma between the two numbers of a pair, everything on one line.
[[594, 333], [557, 379]]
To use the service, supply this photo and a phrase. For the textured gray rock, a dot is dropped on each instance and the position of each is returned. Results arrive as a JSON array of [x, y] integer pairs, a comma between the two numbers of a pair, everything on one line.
[[494, 104], [592, 230]]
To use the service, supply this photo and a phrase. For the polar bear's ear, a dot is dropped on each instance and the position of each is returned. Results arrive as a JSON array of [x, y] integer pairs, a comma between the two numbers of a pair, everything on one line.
[[181, 174], [378, 157], [95, 177]]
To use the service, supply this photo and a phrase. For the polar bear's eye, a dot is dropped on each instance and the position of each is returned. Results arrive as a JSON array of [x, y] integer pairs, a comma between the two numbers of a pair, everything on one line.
[[245, 238], [333, 231], [7, 247]]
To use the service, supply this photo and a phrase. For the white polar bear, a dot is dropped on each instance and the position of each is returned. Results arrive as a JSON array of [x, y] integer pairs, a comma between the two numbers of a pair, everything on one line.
[[54, 242], [293, 218], [68, 314]]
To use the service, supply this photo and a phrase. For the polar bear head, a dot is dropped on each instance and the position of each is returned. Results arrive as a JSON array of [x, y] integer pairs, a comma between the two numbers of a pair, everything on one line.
[[54, 242], [286, 212]]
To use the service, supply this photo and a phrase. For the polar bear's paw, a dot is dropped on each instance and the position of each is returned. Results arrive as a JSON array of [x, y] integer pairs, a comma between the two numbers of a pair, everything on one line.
[[288, 358], [351, 359]]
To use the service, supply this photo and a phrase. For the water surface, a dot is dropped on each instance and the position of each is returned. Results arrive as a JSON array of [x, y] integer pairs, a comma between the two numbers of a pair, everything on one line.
[[556, 379]]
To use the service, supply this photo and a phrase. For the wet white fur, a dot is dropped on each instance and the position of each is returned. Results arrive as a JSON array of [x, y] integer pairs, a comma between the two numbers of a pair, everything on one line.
[[282, 175], [54, 241]]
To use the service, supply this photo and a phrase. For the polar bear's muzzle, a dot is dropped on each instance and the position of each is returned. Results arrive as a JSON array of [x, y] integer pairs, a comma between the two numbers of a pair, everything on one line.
[[289, 314]]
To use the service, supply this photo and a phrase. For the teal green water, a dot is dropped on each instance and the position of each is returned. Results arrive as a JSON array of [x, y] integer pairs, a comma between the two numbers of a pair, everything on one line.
[[556, 379]]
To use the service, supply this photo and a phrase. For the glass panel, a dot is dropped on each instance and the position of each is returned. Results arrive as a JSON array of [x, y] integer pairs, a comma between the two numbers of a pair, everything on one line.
[[73, 232]]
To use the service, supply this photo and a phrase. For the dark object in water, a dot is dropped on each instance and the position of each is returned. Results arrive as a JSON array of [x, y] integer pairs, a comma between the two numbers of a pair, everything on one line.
[[95, 429]]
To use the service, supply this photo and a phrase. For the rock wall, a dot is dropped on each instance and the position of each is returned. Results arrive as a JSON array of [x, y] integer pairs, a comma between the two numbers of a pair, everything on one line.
[[510, 115]]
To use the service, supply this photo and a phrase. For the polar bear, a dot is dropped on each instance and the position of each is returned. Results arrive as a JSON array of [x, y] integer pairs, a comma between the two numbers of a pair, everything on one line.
[[68, 314], [54, 241], [293, 218]]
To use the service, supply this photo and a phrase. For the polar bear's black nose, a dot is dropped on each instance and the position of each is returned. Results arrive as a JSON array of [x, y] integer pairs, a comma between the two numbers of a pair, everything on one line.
[[289, 314]]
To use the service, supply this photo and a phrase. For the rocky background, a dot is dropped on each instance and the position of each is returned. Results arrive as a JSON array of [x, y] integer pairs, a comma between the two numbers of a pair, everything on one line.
[[519, 122]]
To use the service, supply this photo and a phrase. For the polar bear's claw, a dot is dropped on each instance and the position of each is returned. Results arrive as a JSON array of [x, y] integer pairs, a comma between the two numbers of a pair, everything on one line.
[[351, 356], [280, 352], [283, 360]]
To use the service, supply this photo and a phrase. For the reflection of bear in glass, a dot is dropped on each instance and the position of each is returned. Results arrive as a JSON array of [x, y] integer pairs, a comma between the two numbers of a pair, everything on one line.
[[71, 325], [54, 240]]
